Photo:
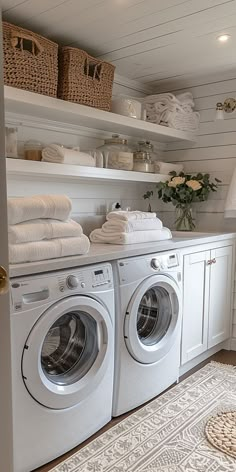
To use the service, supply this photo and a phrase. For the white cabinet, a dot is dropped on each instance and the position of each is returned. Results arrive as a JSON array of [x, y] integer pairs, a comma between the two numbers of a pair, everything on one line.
[[220, 295], [206, 300]]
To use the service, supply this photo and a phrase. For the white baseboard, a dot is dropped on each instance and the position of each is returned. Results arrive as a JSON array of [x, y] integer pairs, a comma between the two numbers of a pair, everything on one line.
[[191, 364], [233, 344]]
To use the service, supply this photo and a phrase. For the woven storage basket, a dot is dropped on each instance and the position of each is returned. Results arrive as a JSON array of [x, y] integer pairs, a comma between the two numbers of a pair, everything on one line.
[[30, 61], [84, 79]]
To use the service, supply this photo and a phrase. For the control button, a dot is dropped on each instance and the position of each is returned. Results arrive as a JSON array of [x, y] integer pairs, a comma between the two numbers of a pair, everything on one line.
[[155, 264], [72, 282], [82, 284]]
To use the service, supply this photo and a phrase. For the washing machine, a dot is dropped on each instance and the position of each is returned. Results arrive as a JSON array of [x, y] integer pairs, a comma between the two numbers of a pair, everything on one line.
[[148, 312], [62, 328]]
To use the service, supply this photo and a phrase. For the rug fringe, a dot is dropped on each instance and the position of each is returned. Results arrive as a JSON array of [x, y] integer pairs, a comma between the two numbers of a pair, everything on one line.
[[222, 365]]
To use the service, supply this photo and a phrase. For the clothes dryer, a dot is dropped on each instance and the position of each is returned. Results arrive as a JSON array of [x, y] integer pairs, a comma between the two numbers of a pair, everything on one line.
[[148, 312]]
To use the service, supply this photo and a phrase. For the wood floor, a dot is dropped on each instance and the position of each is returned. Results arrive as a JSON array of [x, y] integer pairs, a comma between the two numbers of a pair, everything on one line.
[[226, 357]]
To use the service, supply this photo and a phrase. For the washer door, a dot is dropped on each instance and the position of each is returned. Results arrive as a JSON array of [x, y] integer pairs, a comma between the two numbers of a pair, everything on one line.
[[152, 319], [67, 352]]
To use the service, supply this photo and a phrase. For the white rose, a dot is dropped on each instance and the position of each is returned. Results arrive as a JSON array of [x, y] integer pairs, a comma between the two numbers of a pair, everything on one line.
[[194, 185], [176, 181]]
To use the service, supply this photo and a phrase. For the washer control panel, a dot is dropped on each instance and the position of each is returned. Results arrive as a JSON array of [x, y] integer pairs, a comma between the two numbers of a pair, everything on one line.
[[30, 292], [101, 276]]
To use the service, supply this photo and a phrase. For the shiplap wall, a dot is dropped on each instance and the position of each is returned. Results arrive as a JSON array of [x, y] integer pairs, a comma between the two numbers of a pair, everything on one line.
[[213, 152], [90, 201]]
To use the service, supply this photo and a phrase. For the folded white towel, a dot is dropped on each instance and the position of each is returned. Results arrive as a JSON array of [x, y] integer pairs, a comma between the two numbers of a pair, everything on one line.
[[98, 236], [61, 155], [40, 229], [57, 207], [130, 215], [115, 225], [54, 248]]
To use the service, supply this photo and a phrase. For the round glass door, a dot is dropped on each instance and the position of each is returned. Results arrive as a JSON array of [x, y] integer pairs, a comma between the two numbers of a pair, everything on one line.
[[154, 315], [70, 348], [67, 352], [152, 319]]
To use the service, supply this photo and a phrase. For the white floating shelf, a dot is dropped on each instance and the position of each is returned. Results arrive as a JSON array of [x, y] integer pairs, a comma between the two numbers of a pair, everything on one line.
[[32, 104], [19, 168]]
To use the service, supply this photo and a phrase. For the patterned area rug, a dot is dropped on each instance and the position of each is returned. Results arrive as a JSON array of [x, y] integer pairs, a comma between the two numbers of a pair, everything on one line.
[[167, 435]]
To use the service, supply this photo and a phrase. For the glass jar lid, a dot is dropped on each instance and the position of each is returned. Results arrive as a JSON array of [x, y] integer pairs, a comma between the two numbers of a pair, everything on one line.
[[145, 146], [115, 139]]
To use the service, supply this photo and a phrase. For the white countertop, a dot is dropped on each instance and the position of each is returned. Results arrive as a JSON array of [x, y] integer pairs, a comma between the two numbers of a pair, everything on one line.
[[109, 252]]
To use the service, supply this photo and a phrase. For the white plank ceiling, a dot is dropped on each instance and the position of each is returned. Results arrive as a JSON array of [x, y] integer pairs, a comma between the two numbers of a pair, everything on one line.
[[152, 41]]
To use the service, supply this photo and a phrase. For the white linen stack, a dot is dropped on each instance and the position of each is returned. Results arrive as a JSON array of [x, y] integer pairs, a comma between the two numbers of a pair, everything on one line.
[[60, 155], [172, 111], [130, 227], [39, 228]]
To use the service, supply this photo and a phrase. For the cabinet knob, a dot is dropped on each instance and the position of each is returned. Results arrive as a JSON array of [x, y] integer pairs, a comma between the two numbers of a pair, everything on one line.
[[209, 262], [213, 261]]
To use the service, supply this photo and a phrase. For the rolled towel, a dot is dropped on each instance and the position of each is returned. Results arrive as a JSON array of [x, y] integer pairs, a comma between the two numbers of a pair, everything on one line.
[[43, 250], [57, 207], [61, 155], [98, 236], [130, 215], [115, 225], [40, 229]]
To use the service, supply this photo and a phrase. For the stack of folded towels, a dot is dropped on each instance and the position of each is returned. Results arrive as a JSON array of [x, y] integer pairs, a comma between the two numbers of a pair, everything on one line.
[[39, 228], [172, 111], [130, 227]]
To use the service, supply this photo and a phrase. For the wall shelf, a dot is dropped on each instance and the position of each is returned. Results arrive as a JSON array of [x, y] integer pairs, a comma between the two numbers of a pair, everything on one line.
[[19, 168], [48, 108]]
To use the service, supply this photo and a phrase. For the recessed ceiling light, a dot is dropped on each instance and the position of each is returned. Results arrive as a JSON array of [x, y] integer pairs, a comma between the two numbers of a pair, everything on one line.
[[223, 38]]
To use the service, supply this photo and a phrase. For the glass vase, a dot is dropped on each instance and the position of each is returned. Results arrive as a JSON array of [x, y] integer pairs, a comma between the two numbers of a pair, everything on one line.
[[184, 219]]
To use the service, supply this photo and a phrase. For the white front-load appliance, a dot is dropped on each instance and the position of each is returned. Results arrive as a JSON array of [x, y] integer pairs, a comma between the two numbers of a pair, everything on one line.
[[62, 328], [147, 328]]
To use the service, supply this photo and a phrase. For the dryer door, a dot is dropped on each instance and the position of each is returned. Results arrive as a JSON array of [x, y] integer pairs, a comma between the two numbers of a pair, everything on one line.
[[67, 352], [152, 319]]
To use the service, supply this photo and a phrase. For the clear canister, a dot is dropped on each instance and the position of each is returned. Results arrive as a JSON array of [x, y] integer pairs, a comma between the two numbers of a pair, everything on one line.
[[116, 153]]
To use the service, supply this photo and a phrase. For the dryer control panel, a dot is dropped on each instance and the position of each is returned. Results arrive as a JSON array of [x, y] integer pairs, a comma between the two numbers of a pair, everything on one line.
[[140, 267]]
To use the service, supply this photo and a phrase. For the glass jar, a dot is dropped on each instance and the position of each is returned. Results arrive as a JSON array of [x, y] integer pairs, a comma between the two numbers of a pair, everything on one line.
[[147, 146], [143, 162], [116, 153], [11, 142], [33, 150]]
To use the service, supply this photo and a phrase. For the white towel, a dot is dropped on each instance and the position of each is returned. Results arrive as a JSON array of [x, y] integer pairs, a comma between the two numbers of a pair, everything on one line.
[[130, 215], [40, 229], [43, 250], [115, 225], [57, 207], [98, 236], [61, 155]]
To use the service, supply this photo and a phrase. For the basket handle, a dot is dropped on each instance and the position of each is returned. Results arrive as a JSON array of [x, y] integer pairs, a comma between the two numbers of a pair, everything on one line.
[[92, 70], [37, 48]]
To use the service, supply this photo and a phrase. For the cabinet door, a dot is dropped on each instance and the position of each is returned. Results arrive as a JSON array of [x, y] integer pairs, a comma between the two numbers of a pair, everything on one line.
[[220, 295], [195, 305]]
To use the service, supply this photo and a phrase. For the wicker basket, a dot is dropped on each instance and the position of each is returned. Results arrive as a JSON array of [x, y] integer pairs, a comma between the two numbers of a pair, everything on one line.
[[30, 61], [84, 79]]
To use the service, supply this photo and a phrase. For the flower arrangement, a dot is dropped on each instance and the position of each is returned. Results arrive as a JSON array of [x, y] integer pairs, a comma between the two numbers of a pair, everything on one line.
[[182, 190]]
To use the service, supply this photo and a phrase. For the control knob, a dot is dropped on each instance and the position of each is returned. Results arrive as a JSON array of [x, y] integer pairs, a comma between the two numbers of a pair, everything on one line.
[[155, 264], [72, 282]]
